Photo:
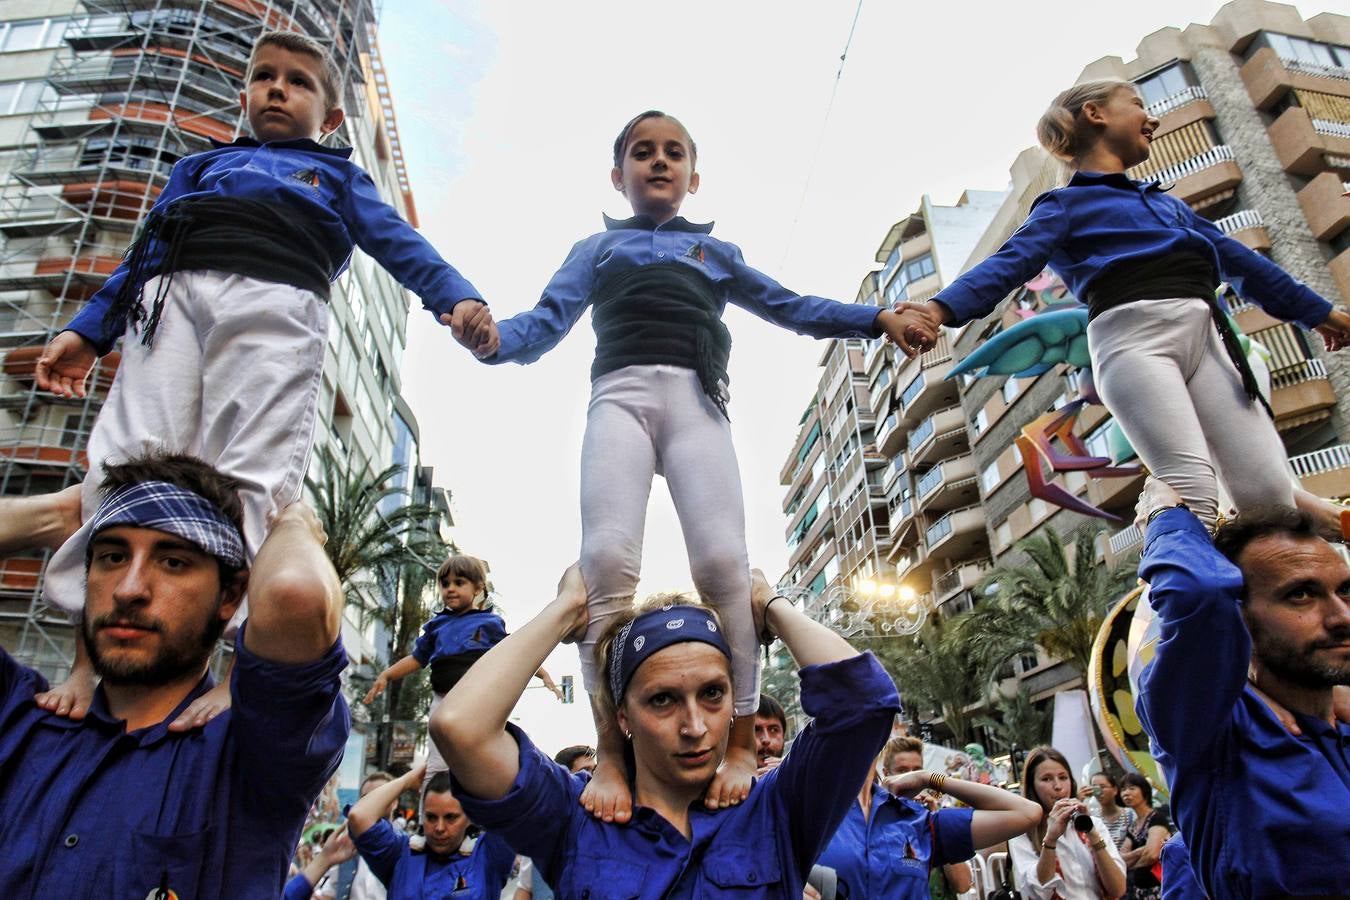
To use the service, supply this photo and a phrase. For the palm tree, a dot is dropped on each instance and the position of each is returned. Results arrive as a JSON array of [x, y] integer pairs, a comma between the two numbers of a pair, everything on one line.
[[932, 675], [1018, 723], [1055, 601], [376, 546]]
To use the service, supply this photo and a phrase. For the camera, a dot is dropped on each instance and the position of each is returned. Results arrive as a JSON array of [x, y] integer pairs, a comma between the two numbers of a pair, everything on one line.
[[1082, 822]]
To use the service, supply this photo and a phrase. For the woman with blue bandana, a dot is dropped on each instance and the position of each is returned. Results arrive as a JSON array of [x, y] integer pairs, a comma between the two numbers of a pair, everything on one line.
[[667, 676]]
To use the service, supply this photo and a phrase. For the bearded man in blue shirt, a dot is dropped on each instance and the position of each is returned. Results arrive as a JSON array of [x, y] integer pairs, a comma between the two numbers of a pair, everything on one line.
[[118, 804], [1240, 700]]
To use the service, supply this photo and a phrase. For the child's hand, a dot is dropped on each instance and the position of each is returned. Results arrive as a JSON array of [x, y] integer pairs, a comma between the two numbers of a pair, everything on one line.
[[909, 329], [64, 365], [1335, 330], [338, 848], [472, 325], [376, 689]]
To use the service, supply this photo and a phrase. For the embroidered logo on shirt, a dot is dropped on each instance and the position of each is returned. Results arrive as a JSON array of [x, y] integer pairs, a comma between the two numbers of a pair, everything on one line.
[[308, 176], [695, 252]]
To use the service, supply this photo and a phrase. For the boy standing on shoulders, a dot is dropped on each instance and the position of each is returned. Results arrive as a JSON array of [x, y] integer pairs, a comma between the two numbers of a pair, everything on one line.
[[223, 299]]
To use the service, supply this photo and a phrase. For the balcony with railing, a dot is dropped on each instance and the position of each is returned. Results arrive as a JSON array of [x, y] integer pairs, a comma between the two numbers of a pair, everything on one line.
[[1212, 171], [1269, 77], [1247, 226], [959, 534], [1304, 144], [1325, 206], [888, 435], [894, 469], [927, 389], [1184, 97], [959, 578], [1324, 472], [941, 435], [948, 485], [1123, 543], [1300, 390]]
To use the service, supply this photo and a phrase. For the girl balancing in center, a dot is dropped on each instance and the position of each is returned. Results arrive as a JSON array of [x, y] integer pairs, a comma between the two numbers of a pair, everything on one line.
[[658, 285]]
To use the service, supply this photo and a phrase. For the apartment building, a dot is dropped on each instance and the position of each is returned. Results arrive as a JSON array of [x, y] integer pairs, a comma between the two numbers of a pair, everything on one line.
[[98, 100]]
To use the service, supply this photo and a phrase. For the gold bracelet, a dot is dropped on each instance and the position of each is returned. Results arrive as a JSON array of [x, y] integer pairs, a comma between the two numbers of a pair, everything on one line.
[[1098, 844], [935, 782]]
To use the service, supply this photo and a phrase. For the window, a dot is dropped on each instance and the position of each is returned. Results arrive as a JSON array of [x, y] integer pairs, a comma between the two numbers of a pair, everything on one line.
[[1011, 388], [17, 97], [979, 423], [1098, 443], [1165, 83], [1003, 534], [1300, 49], [33, 34], [919, 267], [1028, 661], [990, 478]]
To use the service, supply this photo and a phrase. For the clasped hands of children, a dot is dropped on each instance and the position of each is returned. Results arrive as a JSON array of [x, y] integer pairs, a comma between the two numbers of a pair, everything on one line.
[[472, 325]]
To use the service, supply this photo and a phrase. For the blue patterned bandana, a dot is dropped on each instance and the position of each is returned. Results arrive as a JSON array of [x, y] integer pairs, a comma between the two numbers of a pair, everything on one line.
[[175, 510], [657, 630]]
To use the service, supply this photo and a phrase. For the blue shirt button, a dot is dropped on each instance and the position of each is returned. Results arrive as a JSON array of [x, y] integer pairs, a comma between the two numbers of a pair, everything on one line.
[[72, 840], [661, 255]]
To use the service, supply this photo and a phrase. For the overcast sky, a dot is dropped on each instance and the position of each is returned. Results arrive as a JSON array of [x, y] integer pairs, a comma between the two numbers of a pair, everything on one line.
[[508, 111]]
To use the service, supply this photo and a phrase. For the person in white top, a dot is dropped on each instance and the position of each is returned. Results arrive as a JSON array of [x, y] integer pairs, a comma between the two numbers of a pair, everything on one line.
[[1056, 859]]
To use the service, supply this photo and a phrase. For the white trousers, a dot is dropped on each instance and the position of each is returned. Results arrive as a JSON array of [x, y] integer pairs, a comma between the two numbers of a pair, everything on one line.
[[1162, 370], [647, 420], [233, 378]]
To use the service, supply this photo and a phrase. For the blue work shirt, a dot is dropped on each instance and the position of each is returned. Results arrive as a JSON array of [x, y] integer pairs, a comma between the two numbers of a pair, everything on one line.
[[890, 853], [762, 848], [335, 194], [450, 633], [424, 876], [1101, 219], [1178, 881], [629, 243], [1263, 812], [90, 810]]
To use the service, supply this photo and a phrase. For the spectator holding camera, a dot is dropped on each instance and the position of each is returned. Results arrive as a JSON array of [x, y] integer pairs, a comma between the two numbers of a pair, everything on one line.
[[1105, 789], [1069, 854]]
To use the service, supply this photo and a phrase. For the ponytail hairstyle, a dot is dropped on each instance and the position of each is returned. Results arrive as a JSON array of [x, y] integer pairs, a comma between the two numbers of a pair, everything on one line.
[[1062, 130]]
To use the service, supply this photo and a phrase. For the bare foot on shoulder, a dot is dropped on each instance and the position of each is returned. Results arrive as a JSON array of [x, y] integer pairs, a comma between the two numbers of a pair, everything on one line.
[[607, 796], [731, 784], [71, 698], [204, 708]]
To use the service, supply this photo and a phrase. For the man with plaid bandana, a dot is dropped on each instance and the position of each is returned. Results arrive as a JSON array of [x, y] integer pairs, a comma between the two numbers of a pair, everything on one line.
[[118, 804]]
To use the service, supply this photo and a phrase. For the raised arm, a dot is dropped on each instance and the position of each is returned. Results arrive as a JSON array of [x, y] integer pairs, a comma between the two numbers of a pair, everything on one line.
[[809, 642], [469, 726], [370, 808], [295, 601], [401, 669], [398, 247], [817, 317], [529, 335], [40, 522], [1258, 280], [998, 814], [1021, 258], [1199, 670]]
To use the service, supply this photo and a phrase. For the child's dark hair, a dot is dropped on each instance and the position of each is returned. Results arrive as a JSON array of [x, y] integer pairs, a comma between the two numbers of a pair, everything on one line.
[[330, 78], [464, 566], [621, 142], [1062, 130]]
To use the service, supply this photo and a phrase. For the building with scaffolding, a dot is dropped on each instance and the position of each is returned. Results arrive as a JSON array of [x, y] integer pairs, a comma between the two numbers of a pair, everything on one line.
[[100, 100]]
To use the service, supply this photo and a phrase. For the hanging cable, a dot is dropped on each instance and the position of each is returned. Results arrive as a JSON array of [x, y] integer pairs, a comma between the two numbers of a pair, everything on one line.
[[820, 139]]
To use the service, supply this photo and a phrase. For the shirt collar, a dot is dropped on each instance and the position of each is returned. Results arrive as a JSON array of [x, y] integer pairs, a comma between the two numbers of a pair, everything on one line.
[[1114, 179], [646, 223], [297, 144], [100, 717]]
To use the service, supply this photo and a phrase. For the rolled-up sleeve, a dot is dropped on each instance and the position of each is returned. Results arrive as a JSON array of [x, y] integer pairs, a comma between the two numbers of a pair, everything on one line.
[[381, 847], [951, 836], [853, 703], [534, 814], [291, 724]]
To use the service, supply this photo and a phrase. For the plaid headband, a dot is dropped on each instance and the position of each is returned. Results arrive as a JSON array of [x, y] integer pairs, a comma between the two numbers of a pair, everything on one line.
[[657, 630], [175, 510]]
